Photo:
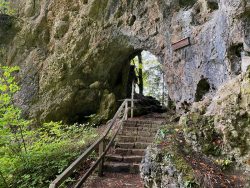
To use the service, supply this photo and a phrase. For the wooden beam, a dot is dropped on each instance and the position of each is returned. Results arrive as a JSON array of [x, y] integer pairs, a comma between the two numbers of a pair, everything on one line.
[[181, 44]]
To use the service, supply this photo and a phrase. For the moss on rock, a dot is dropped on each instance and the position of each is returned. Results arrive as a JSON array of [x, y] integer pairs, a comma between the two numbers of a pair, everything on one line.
[[107, 107], [170, 155], [200, 133]]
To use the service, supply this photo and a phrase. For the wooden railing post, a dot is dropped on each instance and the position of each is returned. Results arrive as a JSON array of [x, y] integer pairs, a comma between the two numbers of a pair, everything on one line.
[[101, 150], [126, 111], [132, 100], [100, 143]]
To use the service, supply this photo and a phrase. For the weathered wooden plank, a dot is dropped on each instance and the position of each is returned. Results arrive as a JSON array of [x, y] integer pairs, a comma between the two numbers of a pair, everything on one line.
[[181, 44]]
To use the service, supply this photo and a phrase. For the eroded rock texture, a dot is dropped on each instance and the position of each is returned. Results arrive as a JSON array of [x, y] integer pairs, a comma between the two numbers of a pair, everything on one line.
[[74, 54], [209, 147]]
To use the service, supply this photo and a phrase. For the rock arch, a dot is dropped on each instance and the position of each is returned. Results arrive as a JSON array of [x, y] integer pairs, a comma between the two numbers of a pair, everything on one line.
[[68, 49]]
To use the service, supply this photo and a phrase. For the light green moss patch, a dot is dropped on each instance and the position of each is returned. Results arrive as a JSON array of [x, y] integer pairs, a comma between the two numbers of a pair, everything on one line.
[[97, 9], [171, 152]]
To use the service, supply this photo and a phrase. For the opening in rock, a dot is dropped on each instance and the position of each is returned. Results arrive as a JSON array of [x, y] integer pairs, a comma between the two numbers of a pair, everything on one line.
[[196, 16], [187, 3], [150, 87], [131, 21], [203, 87], [185, 106], [213, 5], [234, 53]]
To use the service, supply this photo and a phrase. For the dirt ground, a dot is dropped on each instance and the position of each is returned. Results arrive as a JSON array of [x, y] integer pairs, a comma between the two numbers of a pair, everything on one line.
[[114, 180]]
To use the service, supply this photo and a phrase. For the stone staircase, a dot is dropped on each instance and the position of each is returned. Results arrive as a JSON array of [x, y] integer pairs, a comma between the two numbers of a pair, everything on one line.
[[130, 145]]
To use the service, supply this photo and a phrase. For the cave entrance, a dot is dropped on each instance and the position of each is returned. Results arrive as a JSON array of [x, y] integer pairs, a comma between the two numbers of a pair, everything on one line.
[[203, 88], [149, 77]]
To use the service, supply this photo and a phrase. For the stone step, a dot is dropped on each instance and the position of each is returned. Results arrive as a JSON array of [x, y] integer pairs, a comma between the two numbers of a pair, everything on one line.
[[137, 133], [126, 152], [129, 122], [121, 167], [152, 124], [143, 122], [132, 145], [141, 125], [114, 158], [126, 159], [134, 139], [141, 145], [133, 159], [132, 129]]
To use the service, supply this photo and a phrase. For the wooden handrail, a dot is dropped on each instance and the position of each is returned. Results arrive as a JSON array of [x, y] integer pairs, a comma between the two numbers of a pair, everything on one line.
[[66, 173], [84, 178]]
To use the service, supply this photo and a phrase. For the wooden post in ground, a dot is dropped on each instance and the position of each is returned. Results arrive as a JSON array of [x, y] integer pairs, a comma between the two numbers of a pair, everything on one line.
[[126, 111], [132, 99], [101, 150]]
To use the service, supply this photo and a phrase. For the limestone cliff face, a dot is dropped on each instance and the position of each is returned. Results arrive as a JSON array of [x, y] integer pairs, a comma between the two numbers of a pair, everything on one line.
[[74, 54], [215, 133]]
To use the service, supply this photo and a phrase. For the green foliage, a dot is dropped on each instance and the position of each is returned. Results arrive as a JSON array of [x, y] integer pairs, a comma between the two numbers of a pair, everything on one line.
[[153, 78], [49, 154], [49, 158], [12, 126], [5, 8], [165, 131], [33, 157], [190, 184], [224, 163], [95, 120]]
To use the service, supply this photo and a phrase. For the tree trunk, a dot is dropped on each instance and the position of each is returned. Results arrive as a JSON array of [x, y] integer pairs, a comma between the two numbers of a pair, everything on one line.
[[140, 74]]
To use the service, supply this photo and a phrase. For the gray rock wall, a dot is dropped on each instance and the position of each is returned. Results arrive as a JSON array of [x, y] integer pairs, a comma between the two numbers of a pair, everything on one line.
[[66, 46]]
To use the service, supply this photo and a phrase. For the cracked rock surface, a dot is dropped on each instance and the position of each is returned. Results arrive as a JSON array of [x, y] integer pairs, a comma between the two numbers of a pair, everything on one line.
[[74, 54]]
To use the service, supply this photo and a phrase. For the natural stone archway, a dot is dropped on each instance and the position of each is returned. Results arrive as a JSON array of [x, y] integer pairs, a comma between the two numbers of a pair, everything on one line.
[[153, 82], [72, 53]]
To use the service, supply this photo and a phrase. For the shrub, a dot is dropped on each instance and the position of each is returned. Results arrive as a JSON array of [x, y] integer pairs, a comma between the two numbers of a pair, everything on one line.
[[5, 8], [33, 157]]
